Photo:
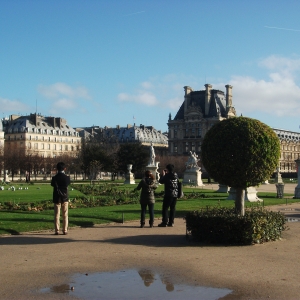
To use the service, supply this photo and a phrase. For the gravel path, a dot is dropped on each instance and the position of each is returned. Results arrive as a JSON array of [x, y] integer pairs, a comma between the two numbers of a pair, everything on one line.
[[32, 261]]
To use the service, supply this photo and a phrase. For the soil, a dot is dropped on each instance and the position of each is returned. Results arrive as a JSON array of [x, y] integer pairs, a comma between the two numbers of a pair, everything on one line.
[[36, 260]]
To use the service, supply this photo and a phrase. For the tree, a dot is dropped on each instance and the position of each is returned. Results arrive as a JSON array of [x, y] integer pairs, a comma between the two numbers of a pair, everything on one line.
[[135, 154], [98, 153], [1, 160], [240, 152], [177, 160], [12, 161]]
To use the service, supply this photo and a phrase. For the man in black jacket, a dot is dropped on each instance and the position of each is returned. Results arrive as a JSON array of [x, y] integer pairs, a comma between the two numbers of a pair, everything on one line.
[[60, 184], [170, 179]]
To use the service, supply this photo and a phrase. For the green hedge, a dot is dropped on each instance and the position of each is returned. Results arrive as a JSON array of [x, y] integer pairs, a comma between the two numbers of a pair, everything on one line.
[[223, 226]]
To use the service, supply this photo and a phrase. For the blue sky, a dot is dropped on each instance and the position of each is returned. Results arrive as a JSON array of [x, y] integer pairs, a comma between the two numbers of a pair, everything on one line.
[[111, 62]]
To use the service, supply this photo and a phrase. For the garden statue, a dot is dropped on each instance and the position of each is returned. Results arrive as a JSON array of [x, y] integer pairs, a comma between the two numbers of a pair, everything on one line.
[[152, 156], [192, 161]]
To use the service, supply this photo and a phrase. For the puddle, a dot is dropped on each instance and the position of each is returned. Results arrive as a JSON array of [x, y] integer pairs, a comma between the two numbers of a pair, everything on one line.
[[133, 284]]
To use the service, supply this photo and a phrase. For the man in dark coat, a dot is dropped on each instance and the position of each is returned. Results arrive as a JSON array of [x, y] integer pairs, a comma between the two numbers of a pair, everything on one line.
[[170, 179], [60, 184], [147, 198]]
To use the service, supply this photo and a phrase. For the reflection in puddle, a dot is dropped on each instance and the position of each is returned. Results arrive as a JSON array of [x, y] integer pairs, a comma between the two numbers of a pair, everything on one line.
[[132, 284], [64, 288]]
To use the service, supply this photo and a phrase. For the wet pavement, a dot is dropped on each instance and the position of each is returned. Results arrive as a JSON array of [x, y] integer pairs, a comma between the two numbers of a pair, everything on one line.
[[132, 284]]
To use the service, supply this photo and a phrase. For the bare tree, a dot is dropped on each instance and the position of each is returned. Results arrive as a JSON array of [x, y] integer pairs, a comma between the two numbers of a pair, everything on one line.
[[178, 161]]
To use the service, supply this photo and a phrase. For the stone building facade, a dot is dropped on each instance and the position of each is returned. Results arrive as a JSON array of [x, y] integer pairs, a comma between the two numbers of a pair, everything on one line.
[[202, 109], [199, 111], [289, 150], [36, 134], [129, 134], [1, 137]]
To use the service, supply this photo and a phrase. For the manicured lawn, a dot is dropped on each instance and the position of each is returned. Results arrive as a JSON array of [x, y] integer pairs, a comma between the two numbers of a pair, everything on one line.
[[17, 221]]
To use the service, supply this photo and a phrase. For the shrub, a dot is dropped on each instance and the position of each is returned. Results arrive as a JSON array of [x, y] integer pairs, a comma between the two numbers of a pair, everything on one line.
[[240, 152], [224, 226]]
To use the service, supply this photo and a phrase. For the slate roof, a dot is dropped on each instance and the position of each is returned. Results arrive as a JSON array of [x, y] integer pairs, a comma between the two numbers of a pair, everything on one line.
[[143, 134], [197, 99], [44, 126]]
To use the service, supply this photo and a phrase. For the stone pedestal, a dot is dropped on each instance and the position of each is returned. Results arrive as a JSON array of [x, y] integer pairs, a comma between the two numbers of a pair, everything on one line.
[[278, 178], [249, 195], [193, 177], [6, 178], [280, 190], [297, 188], [129, 177], [222, 188]]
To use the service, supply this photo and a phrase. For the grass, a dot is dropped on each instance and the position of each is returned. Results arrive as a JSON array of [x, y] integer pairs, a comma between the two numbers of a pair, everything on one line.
[[17, 221]]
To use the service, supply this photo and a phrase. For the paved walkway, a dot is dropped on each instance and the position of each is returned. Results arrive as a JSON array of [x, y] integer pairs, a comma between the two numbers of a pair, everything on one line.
[[37, 260]]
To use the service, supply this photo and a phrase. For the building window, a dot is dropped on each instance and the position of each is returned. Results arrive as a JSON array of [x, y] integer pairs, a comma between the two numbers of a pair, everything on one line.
[[199, 147], [66, 147], [175, 148], [48, 146], [193, 147], [175, 133], [36, 146], [43, 146], [199, 131], [186, 147]]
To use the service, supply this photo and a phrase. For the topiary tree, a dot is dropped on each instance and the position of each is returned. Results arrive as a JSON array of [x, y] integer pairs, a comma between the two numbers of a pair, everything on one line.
[[240, 152]]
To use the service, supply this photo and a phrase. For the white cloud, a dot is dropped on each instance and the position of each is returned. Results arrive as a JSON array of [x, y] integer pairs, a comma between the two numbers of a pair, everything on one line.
[[142, 97], [279, 95], [147, 85], [12, 106], [166, 92], [174, 103], [63, 96]]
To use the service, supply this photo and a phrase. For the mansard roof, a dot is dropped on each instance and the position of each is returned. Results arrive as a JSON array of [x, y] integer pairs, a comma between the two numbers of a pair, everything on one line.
[[197, 99], [36, 123], [142, 133], [286, 135]]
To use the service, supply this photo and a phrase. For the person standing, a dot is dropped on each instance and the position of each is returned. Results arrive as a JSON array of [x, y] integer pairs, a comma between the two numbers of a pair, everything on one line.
[[60, 183], [147, 198], [170, 180]]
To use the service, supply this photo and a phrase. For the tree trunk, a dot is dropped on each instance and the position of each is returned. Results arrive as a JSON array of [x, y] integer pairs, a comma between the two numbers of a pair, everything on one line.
[[239, 201]]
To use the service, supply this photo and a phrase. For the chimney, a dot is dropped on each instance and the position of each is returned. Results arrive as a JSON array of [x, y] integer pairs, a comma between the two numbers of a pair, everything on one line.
[[187, 91], [208, 87], [228, 95]]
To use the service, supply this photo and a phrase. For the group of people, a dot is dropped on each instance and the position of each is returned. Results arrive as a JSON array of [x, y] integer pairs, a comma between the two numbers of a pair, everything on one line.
[[147, 185]]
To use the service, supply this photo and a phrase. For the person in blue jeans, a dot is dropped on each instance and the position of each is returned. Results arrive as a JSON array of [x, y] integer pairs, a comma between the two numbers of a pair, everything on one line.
[[147, 198], [170, 179]]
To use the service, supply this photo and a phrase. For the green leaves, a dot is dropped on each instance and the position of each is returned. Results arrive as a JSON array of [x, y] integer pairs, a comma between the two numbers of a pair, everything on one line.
[[240, 152], [223, 226]]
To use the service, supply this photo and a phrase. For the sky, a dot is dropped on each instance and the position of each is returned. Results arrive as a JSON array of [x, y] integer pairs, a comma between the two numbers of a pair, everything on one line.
[[119, 62]]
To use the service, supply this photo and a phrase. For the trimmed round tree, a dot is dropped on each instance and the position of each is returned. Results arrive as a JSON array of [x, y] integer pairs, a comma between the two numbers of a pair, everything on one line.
[[240, 152]]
